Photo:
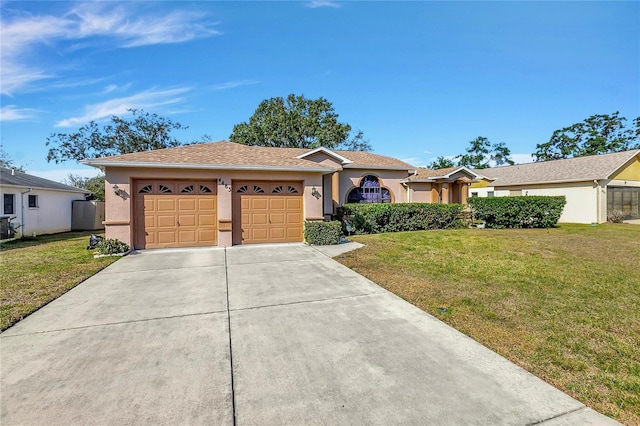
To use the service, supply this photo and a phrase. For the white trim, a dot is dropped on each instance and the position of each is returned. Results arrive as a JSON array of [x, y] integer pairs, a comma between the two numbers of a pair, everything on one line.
[[448, 175], [42, 188], [205, 166], [327, 151]]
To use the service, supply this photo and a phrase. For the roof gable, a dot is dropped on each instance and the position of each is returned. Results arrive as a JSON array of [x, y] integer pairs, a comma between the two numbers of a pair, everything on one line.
[[428, 175], [327, 152]]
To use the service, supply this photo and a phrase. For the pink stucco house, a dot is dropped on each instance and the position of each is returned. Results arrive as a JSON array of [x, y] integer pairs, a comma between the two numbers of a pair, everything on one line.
[[224, 193]]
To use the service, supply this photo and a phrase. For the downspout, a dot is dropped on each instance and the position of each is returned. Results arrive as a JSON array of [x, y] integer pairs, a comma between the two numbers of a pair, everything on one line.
[[598, 200], [22, 210], [406, 187]]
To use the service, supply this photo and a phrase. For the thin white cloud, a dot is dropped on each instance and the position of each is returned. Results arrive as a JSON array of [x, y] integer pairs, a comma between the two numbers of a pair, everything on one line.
[[427, 152], [120, 22], [119, 106], [521, 158], [317, 4], [13, 113], [232, 84], [114, 87], [61, 175]]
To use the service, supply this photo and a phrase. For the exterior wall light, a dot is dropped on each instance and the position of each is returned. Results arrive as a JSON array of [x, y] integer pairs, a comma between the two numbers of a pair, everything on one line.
[[315, 193], [116, 190]]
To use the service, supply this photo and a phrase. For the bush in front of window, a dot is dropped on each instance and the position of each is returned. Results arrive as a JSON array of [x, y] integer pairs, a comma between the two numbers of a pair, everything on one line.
[[538, 211], [378, 218], [322, 233], [616, 216], [111, 246]]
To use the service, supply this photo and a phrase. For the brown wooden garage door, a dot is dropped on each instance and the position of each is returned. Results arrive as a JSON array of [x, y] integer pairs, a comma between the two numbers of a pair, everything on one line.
[[267, 212], [175, 214]]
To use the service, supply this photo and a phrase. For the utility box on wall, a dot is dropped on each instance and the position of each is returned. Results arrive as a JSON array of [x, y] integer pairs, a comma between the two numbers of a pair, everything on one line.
[[87, 215]]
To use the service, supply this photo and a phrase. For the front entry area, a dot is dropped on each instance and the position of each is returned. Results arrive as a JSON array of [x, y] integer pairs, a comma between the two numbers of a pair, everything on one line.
[[267, 212], [170, 213]]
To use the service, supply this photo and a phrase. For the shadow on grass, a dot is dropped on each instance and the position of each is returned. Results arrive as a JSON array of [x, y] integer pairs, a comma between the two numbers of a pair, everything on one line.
[[46, 239]]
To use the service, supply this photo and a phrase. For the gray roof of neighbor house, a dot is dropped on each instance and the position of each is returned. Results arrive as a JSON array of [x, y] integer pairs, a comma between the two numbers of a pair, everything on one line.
[[579, 169], [229, 155], [9, 177]]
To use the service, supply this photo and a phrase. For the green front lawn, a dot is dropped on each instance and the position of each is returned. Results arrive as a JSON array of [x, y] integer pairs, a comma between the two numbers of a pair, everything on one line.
[[563, 303], [36, 271]]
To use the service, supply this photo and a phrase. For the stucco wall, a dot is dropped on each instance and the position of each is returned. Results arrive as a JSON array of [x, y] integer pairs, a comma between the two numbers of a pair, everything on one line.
[[52, 215], [582, 199], [390, 179], [420, 192], [119, 209]]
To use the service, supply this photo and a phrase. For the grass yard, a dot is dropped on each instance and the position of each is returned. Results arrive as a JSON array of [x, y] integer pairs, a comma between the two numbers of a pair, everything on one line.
[[562, 303], [36, 271]]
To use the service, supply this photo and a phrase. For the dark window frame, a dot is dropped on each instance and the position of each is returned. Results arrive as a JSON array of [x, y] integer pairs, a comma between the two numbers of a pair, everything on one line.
[[33, 201], [12, 204]]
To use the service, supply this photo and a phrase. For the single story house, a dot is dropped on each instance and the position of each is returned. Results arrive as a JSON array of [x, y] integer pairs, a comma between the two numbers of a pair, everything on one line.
[[36, 205], [594, 185], [225, 193]]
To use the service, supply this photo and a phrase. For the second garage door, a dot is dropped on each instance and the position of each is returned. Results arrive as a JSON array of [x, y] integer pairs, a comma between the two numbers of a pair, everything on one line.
[[267, 212]]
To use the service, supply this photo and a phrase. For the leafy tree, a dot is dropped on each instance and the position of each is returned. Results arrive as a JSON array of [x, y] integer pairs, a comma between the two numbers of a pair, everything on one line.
[[8, 163], [297, 122], [441, 163], [145, 132], [481, 154], [598, 134], [94, 184]]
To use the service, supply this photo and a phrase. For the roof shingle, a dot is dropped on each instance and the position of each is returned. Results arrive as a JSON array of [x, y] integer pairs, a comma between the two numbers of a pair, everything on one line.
[[236, 155], [16, 178], [593, 167]]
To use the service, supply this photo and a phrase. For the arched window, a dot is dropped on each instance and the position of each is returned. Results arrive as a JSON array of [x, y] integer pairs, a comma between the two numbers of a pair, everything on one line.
[[369, 192]]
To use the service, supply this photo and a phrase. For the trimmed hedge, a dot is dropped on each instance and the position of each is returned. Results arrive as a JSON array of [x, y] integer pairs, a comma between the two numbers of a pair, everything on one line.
[[518, 212], [393, 217], [322, 233]]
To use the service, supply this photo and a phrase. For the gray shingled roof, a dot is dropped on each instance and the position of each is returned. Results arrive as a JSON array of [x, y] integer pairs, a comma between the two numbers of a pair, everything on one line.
[[568, 170], [30, 181]]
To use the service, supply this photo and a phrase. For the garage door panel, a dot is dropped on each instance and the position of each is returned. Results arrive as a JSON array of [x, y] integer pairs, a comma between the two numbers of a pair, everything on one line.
[[206, 204], [260, 234], [259, 204], [165, 237], [294, 203], [166, 205], [207, 235], [167, 218], [206, 220], [149, 205], [259, 219], [166, 221], [275, 215], [277, 203], [187, 220], [187, 204], [276, 219], [187, 237], [294, 218]]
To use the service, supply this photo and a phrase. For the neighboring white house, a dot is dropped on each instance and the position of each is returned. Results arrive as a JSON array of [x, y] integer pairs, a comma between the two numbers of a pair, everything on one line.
[[36, 205], [594, 186]]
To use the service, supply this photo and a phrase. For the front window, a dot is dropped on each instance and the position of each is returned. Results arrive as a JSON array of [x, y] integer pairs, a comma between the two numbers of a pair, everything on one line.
[[9, 203], [369, 191], [33, 201], [490, 194]]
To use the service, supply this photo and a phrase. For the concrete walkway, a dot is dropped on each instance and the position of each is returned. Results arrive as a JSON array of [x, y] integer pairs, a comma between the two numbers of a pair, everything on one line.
[[256, 335]]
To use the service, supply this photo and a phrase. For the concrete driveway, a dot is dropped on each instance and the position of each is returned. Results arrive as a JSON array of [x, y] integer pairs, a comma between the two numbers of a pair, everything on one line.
[[256, 336]]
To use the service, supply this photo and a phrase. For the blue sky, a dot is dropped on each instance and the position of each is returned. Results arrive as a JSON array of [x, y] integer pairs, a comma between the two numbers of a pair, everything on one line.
[[420, 79]]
